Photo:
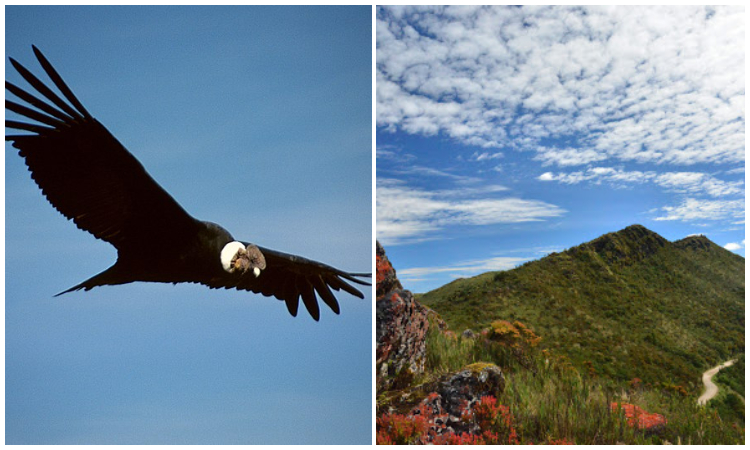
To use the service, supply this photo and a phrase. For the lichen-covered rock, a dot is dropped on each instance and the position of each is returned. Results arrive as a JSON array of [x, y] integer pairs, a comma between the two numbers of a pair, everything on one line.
[[401, 331], [401, 328], [470, 384], [456, 395], [385, 274]]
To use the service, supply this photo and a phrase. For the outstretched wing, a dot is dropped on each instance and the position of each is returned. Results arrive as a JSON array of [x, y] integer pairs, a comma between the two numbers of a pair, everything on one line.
[[85, 173], [89, 177], [289, 277]]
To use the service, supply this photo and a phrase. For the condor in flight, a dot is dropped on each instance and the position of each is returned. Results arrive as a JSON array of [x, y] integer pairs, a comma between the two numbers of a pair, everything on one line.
[[88, 176]]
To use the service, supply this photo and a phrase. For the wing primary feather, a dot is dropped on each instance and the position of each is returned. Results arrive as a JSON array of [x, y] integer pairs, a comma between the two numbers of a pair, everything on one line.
[[292, 306], [350, 277], [291, 298], [32, 114], [308, 297], [43, 89], [57, 79], [18, 137], [363, 275], [35, 102], [27, 126], [336, 283], [326, 294]]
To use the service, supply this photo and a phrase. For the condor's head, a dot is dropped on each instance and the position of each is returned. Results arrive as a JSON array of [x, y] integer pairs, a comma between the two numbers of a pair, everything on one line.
[[236, 258]]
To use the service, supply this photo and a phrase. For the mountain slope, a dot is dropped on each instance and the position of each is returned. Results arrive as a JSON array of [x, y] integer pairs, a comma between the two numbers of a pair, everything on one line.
[[627, 304]]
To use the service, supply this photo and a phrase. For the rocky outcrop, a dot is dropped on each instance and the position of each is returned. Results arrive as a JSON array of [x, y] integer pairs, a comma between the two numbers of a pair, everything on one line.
[[464, 388], [401, 328], [385, 274], [450, 410]]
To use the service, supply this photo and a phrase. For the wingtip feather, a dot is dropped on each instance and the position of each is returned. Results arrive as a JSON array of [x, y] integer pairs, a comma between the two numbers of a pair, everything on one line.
[[74, 288]]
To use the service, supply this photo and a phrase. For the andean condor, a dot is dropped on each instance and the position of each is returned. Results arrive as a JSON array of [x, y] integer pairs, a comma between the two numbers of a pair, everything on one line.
[[88, 176]]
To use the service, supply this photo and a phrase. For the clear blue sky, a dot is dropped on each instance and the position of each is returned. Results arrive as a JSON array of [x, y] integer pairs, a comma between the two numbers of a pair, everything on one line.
[[255, 118], [506, 133]]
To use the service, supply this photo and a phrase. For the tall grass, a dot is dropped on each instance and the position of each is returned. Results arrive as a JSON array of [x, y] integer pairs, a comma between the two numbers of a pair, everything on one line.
[[556, 401]]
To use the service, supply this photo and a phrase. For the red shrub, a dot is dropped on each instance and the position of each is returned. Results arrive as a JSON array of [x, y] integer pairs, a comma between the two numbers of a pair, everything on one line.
[[490, 415], [493, 424], [639, 418], [400, 429]]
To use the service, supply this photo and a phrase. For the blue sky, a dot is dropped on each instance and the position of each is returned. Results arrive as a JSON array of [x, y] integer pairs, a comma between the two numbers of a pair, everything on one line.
[[506, 133], [234, 111]]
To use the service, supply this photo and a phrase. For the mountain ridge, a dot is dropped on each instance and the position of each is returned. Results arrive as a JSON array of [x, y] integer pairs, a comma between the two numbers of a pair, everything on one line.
[[630, 304]]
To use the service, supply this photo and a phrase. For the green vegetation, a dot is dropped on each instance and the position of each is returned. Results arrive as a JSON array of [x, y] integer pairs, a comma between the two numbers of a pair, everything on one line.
[[730, 401], [733, 377], [553, 402], [627, 305]]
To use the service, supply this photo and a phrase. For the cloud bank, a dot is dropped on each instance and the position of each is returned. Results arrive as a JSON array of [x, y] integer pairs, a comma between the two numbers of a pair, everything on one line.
[[408, 214], [574, 85], [692, 210], [680, 182]]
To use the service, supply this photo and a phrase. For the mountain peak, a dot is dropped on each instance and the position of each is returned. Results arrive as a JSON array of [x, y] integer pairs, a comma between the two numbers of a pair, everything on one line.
[[637, 227], [695, 242], [632, 243], [637, 232]]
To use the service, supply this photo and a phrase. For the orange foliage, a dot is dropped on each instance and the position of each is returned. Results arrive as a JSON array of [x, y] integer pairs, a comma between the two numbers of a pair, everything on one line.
[[514, 335], [495, 425], [495, 422], [400, 429], [639, 418]]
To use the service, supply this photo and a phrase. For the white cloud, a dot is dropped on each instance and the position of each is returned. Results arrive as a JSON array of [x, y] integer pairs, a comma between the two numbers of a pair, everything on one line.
[[637, 84], [737, 170], [734, 246], [464, 269], [696, 183], [692, 209], [406, 214], [461, 269], [463, 192], [568, 156], [393, 153], [724, 206], [699, 183], [598, 175], [485, 156], [547, 176], [429, 171]]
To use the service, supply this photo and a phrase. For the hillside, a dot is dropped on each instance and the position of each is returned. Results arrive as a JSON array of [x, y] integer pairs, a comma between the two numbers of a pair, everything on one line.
[[626, 305]]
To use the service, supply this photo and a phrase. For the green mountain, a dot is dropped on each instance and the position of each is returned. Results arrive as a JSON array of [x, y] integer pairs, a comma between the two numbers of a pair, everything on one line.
[[626, 305]]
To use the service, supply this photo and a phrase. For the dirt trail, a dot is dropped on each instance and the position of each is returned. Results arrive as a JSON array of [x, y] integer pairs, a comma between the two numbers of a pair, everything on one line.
[[711, 388]]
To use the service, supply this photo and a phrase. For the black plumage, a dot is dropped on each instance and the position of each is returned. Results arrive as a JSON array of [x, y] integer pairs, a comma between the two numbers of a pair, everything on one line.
[[92, 179]]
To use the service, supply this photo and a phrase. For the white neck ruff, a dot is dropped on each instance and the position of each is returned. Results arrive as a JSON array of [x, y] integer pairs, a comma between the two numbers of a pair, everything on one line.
[[228, 252]]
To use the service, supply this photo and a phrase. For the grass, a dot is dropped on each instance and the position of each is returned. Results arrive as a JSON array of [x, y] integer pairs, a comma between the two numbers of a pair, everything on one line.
[[730, 402], [555, 401], [628, 318], [628, 304]]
